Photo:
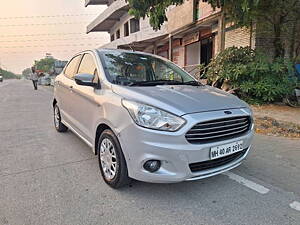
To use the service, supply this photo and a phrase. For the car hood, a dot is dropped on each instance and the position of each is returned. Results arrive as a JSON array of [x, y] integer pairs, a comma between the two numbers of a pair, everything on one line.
[[181, 99]]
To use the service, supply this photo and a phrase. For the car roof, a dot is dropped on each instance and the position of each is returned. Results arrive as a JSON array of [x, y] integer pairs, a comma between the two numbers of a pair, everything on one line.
[[113, 50], [121, 50]]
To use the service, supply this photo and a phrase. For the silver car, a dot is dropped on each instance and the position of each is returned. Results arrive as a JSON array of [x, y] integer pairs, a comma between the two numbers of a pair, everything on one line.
[[148, 119]]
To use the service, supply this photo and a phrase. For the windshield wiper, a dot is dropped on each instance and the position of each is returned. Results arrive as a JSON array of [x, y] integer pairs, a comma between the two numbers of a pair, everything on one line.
[[192, 83], [146, 83], [155, 82], [163, 82]]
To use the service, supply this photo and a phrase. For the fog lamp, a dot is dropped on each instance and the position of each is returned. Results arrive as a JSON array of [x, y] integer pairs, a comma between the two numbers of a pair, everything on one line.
[[152, 165]]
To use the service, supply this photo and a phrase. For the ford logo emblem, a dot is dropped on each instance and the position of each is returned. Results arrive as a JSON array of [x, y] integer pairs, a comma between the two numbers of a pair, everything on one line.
[[227, 112]]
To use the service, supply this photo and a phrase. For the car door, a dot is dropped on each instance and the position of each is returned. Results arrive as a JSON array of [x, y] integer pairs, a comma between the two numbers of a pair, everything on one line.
[[85, 107], [64, 89]]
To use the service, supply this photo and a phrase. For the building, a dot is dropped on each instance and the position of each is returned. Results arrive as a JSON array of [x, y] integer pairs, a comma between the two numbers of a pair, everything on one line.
[[193, 34]]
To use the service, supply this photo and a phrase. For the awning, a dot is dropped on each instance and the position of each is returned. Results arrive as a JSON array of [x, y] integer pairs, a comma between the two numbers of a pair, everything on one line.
[[95, 2], [141, 45], [106, 20]]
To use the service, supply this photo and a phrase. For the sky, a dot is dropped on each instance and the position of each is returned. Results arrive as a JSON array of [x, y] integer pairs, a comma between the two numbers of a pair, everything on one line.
[[31, 28]]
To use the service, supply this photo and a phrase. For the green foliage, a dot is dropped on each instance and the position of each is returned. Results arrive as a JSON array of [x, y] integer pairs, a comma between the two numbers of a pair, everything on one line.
[[239, 11], [45, 64], [275, 18], [26, 73], [8, 75], [154, 9], [252, 75]]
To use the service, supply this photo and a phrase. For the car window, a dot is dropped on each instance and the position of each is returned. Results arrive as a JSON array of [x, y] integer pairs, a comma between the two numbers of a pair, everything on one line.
[[137, 72], [71, 68], [88, 66], [134, 68], [164, 72]]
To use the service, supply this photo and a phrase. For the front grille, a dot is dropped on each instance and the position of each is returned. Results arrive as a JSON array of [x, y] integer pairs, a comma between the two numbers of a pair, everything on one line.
[[216, 130], [197, 167]]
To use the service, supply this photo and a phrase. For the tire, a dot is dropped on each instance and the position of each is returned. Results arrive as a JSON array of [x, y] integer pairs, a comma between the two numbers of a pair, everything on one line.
[[112, 162], [59, 126]]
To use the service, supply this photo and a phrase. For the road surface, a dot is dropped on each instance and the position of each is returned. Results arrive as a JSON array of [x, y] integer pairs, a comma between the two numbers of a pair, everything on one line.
[[51, 178]]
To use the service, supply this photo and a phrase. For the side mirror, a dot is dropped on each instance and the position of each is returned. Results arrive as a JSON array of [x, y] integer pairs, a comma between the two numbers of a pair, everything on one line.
[[85, 80]]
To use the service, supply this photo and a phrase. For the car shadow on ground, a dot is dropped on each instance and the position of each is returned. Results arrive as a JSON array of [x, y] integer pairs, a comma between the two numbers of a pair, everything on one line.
[[205, 187]]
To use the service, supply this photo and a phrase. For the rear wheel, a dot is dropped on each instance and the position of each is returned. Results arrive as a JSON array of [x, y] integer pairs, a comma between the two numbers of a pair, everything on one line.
[[111, 160], [59, 126]]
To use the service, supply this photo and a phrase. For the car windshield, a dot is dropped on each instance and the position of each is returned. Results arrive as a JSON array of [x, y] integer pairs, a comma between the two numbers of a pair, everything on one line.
[[135, 69]]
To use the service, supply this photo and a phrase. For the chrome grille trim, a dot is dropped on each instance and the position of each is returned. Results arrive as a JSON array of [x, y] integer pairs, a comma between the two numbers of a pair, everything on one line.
[[231, 125], [215, 130], [213, 123]]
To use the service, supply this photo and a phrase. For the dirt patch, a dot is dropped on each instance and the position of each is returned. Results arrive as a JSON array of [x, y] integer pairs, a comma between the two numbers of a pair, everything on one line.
[[278, 112], [269, 126]]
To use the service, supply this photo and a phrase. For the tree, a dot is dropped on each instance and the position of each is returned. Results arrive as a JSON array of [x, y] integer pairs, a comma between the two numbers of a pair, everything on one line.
[[8, 75], [238, 10], [274, 17], [279, 19], [26, 73], [45, 64], [154, 9]]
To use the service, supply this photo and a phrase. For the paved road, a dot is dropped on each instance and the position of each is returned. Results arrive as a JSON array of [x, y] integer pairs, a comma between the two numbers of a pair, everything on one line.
[[51, 178]]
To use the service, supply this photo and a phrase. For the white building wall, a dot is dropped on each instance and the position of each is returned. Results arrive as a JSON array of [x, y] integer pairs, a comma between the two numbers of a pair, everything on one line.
[[146, 32], [144, 26], [120, 25]]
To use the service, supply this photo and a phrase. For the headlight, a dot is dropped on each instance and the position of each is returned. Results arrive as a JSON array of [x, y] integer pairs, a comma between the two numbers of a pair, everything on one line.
[[151, 117]]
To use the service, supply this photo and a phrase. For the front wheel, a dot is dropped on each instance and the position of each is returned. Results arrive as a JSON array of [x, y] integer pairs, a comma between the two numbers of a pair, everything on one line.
[[59, 126], [112, 161]]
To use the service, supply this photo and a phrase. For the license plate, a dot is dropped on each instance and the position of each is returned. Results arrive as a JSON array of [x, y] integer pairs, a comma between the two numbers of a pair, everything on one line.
[[225, 150]]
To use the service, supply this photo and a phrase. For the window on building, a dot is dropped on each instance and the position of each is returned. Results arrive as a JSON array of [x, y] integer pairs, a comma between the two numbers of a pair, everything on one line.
[[134, 25], [118, 34], [197, 10], [112, 37], [126, 29]]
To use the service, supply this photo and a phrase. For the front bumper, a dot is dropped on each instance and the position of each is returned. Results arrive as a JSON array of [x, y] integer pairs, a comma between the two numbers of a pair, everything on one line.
[[174, 151]]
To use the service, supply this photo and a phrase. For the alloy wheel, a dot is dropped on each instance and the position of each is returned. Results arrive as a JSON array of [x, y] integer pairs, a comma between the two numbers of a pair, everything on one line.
[[56, 117], [108, 159]]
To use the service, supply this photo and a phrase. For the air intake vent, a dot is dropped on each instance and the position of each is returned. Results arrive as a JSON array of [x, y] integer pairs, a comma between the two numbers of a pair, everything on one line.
[[197, 167]]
